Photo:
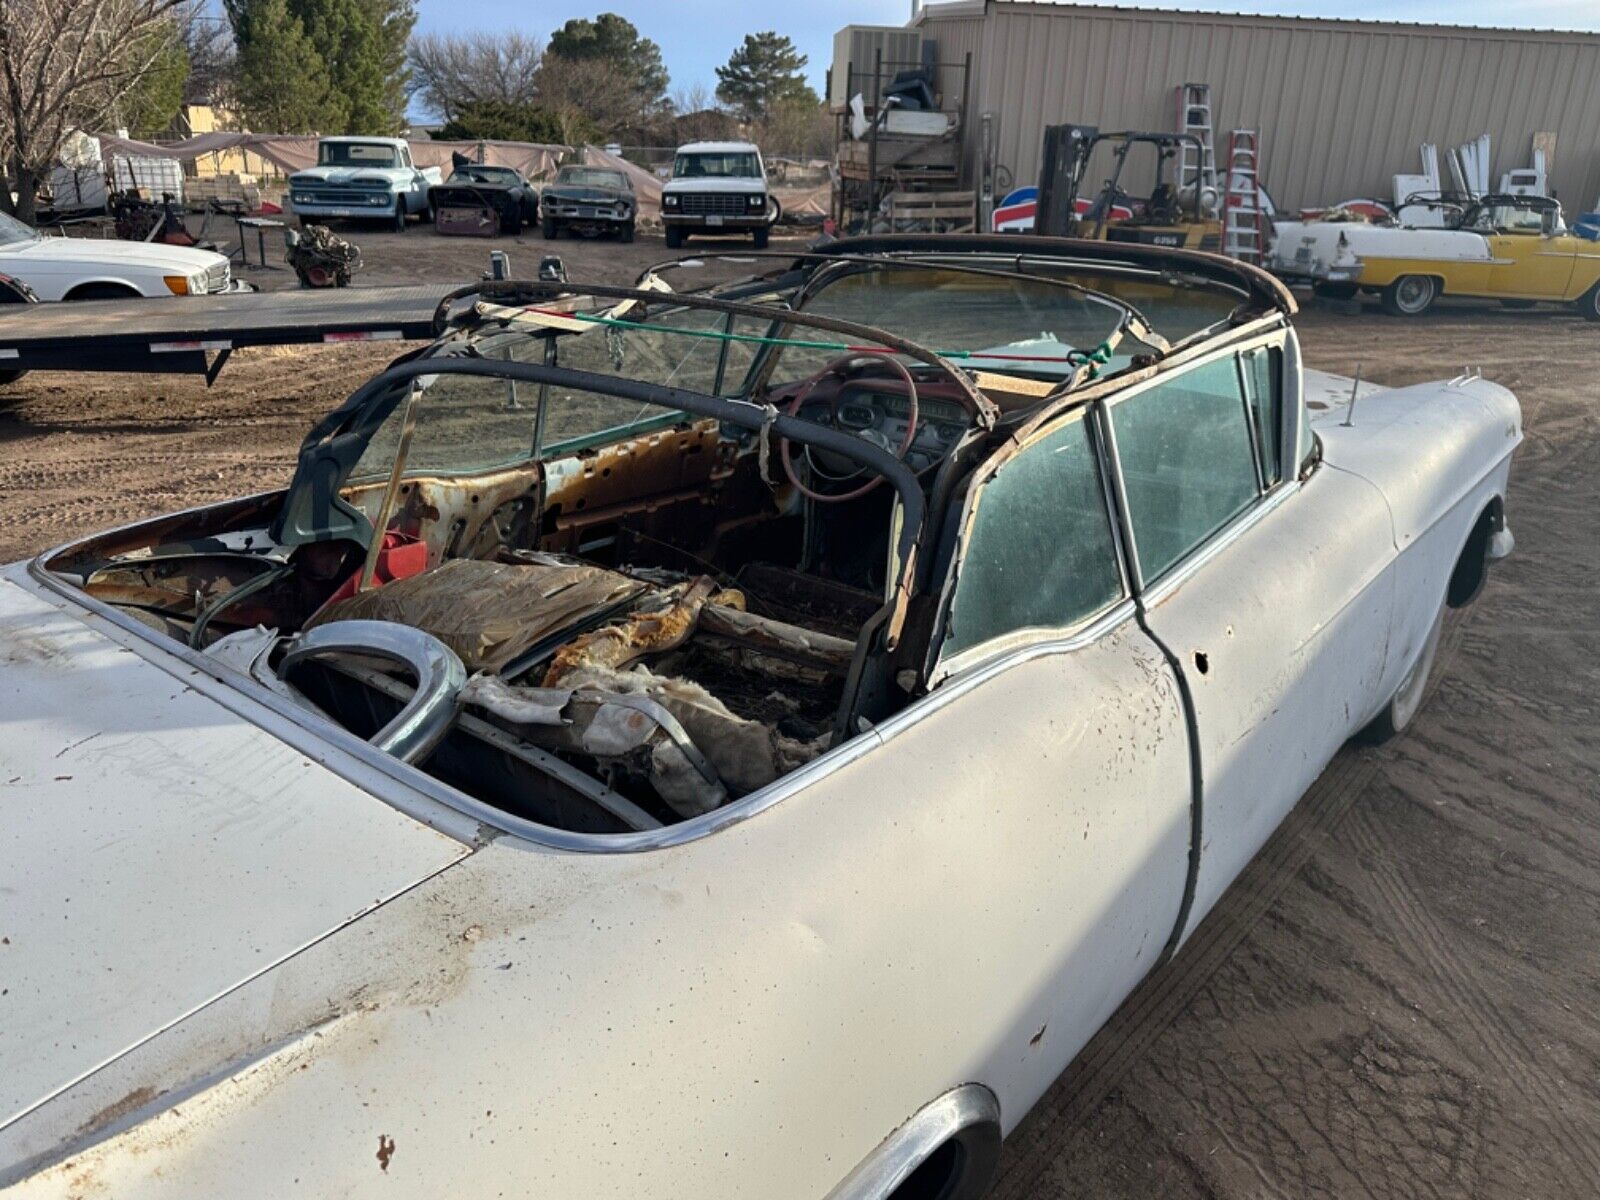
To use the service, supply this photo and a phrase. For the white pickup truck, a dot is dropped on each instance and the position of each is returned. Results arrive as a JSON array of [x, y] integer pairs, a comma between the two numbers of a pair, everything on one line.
[[366, 178]]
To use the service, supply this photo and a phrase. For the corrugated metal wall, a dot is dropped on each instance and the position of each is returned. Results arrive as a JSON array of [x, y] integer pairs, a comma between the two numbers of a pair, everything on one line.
[[1341, 105]]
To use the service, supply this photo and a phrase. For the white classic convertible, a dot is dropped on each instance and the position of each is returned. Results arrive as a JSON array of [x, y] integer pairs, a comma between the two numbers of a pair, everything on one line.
[[70, 268], [725, 743]]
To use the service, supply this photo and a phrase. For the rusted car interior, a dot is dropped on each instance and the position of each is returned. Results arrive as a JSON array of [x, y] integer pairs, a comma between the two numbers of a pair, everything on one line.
[[608, 559]]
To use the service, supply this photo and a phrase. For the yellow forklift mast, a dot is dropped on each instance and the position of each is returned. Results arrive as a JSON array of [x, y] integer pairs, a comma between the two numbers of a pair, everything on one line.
[[1184, 213]]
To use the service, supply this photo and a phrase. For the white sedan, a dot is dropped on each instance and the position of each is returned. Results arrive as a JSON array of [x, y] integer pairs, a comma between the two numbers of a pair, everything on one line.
[[707, 744], [63, 268]]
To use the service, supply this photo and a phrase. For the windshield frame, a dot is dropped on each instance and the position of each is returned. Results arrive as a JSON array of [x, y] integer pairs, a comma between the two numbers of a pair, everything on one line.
[[325, 148], [14, 232], [750, 165], [619, 179]]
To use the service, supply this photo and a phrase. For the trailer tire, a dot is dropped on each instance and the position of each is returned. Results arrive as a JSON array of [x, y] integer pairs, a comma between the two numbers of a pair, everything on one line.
[[1410, 295]]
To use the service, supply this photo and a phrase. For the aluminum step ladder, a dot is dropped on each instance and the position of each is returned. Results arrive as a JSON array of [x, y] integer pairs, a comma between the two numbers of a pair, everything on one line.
[[1241, 201], [1194, 118]]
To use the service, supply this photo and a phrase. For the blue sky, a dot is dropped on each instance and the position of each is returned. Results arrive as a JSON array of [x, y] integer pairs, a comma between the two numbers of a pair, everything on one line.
[[696, 36]]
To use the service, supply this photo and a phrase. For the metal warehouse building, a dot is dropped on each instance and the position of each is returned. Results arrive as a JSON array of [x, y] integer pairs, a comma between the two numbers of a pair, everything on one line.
[[1341, 106]]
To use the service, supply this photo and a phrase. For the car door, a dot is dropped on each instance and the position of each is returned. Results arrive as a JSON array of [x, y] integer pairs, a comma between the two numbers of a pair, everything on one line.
[[1274, 593], [1053, 710]]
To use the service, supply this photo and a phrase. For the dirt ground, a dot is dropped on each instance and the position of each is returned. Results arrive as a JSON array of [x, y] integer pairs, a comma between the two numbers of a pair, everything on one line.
[[1396, 1000]]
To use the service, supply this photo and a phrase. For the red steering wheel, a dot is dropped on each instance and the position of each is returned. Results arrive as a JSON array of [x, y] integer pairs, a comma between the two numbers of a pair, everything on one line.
[[839, 367]]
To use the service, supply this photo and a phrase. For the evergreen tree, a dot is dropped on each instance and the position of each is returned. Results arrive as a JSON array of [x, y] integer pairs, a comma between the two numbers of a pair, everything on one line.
[[282, 83], [155, 99], [764, 74], [614, 42], [502, 120], [358, 45]]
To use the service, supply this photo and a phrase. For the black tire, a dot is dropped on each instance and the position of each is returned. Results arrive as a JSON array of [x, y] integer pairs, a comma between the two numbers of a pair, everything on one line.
[[761, 237], [101, 291], [7, 377], [550, 229], [1408, 697], [1588, 305], [625, 233], [675, 237], [1410, 295], [1335, 291], [430, 214], [513, 227], [398, 223]]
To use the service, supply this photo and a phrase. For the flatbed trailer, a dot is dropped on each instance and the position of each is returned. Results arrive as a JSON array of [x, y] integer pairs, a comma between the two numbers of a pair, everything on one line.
[[190, 336]]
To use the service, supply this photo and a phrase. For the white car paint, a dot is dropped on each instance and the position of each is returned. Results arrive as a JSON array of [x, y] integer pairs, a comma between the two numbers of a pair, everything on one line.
[[54, 267], [1333, 250], [751, 1012]]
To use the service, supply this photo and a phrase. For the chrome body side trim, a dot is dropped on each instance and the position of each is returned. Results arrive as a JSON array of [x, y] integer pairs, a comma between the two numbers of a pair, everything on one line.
[[969, 1115]]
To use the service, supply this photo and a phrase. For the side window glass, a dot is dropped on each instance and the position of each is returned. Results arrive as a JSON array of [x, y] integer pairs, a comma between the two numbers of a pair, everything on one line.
[[1263, 382], [1040, 552], [1188, 466]]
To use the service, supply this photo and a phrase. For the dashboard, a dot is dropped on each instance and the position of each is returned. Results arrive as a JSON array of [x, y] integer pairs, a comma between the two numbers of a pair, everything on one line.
[[880, 409]]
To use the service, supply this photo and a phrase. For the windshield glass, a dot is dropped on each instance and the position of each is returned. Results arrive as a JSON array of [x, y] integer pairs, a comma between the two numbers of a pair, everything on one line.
[[13, 231], [983, 322], [736, 164], [503, 175], [355, 154], [470, 424], [591, 177]]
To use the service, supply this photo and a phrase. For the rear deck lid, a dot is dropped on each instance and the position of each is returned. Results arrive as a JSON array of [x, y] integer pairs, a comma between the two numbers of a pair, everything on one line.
[[156, 848]]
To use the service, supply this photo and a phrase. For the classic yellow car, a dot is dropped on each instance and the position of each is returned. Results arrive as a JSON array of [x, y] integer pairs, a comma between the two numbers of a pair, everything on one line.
[[1514, 249]]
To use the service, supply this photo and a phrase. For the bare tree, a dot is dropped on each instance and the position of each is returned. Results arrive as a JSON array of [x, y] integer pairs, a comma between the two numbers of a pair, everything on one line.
[[208, 40], [64, 65], [588, 97], [450, 70]]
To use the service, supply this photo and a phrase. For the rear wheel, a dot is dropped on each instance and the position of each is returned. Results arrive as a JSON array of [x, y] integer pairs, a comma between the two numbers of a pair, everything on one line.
[[674, 237], [1588, 305], [1407, 699], [1410, 295]]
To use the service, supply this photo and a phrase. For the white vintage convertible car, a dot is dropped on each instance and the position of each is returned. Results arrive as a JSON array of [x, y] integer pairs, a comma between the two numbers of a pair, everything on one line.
[[736, 742]]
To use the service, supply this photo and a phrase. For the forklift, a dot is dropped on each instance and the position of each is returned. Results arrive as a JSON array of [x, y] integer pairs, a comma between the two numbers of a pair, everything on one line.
[[1179, 212]]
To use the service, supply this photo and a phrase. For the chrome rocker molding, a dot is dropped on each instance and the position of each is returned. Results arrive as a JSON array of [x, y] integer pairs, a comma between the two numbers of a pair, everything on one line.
[[966, 1118]]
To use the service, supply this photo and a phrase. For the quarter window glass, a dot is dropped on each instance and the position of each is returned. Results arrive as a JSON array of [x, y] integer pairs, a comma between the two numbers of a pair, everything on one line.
[[1188, 467], [1262, 387], [1040, 552]]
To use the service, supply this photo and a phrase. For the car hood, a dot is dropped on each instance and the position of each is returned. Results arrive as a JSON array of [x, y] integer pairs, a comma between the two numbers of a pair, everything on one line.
[[344, 175], [741, 185], [589, 195], [159, 849], [176, 260]]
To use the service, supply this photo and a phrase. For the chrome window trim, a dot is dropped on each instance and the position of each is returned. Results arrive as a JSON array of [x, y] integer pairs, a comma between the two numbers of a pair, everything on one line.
[[441, 806], [944, 667], [962, 672], [969, 1109], [1151, 591]]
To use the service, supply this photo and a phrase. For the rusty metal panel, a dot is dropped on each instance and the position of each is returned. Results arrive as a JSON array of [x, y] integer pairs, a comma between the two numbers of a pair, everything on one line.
[[1341, 105]]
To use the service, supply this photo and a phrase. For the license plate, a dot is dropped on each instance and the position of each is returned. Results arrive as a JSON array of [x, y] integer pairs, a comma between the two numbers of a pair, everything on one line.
[[1303, 254], [714, 219], [343, 212], [588, 212]]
